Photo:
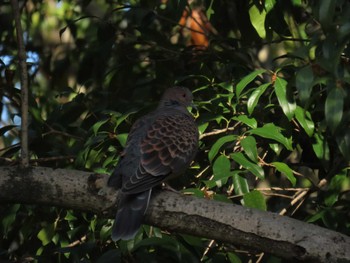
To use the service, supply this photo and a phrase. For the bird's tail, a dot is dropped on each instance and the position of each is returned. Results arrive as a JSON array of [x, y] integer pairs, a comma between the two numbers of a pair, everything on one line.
[[128, 219]]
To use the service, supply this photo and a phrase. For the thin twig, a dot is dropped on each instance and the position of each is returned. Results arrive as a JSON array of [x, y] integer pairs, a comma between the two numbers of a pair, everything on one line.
[[260, 257], [53, 158], [281, 189], [299, 196], [77, 242], [276, 194], [22, 57], [211, 243], [219, 131]]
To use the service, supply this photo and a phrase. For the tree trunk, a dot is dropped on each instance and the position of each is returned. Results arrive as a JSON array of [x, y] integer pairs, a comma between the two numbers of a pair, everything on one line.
[[257, 230]]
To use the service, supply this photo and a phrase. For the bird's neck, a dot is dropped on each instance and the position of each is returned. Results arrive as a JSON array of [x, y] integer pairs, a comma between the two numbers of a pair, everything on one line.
[[172, 104]]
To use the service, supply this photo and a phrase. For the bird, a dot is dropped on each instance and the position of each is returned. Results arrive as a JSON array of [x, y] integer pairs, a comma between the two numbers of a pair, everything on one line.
[[160, 145]]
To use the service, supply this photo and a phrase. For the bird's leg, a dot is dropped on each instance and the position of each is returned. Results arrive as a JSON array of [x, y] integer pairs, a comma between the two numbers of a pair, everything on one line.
[[167, 187]]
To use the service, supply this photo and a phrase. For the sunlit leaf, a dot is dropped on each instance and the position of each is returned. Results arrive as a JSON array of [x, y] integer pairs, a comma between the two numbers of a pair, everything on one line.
[[321, 149], [273, 132], [240, 183], [218, 144], [246, 80], [269, 4], [210, 11], [251, 122], [221, 170], [46, 234], [122, 138], [255, 96], [98, 125], [249, 147], [257, 18], [70, 216], [203, 127], [252, 167], [254, 199], [286, 102], [304, 118], [286, 170]]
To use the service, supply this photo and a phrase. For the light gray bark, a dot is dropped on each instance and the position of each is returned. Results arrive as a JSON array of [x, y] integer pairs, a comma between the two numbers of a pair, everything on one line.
[[257, 230]]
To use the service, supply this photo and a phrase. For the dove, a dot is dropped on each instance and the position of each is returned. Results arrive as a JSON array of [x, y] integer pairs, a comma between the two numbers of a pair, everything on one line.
[[160, 145]]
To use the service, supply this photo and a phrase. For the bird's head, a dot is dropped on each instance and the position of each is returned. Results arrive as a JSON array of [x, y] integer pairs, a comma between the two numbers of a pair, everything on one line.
[[177, 96]]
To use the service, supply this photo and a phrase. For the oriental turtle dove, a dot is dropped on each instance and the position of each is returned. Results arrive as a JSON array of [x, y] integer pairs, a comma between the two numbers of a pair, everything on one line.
[[160, 145]]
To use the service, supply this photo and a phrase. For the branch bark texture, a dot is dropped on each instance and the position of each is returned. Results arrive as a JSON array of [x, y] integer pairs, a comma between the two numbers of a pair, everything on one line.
[[258, 230]]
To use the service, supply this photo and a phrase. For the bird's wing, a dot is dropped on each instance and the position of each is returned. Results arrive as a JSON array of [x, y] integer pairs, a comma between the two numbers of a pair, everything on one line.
[[167, 148]]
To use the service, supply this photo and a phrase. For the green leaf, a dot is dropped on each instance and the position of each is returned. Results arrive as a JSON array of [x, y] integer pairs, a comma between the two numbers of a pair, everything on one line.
[[255, 199], [257, 18], [70, 216], [46, 234], [343, 141], [286, 102], [297, 2], [246, 80], [210, 11], [304, 118], [286, 170], [317, 216], [98, 125], [255, 96], [221, 170], [218, 144], [121, 118], [321, 149], [273, 132], [304, 79], [269, 4], [233, 258], [334, 107], [240, 183], [338, 183], [122, 138], [326, 13], [251, 122], [252, 167], [203, 127], [249, 147], [8, 219]]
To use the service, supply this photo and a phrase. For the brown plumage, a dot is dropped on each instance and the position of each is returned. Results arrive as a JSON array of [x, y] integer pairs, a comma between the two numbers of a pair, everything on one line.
[[160, 145]]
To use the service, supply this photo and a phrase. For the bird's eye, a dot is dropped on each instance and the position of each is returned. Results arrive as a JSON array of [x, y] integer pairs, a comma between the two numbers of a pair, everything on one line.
[[184, 95]]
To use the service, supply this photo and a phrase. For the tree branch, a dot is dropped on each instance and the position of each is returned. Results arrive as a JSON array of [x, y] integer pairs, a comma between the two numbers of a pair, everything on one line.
[[22, 57], [263, 231]]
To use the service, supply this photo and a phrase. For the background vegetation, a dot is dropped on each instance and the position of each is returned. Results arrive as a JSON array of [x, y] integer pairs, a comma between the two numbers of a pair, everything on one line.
[[271, 82]]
